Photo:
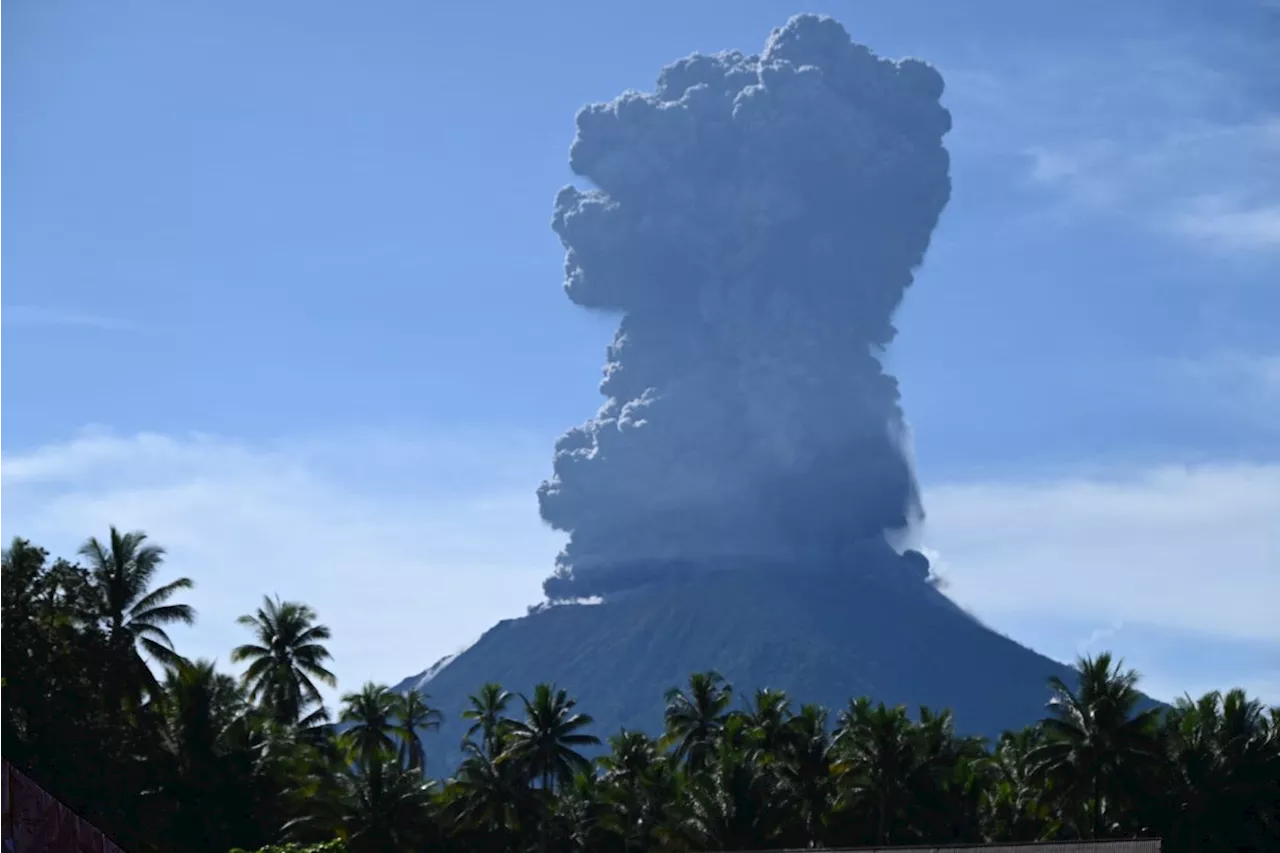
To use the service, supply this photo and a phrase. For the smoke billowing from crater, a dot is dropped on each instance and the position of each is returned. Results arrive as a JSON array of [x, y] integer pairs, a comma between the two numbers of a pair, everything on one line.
[[755, 222]]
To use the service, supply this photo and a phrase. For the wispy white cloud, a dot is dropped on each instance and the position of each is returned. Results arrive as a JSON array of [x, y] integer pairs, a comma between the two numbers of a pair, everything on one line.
[[1203, 183], [1244, 386], [1173, 569], [1097, 637], [1230, 224], [29, 315], [1149, 134], [1186, 548], [1258, 373], [403, 570]]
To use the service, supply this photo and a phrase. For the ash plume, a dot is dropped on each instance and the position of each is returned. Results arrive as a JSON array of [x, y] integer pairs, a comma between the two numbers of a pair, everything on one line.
[[755, 222]]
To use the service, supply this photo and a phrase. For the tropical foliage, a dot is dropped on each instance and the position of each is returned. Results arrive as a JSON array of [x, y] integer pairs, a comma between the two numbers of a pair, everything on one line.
[[169, 754]]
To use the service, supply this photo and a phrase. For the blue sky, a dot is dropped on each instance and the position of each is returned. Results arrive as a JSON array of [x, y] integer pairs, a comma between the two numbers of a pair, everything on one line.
[[280, 289]]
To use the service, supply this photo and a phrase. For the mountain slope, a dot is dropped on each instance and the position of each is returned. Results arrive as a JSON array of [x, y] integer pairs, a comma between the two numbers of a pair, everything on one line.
[[822, 636]]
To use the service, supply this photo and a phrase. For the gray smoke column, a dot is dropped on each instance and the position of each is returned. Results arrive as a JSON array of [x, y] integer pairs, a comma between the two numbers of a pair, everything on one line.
[[755, 222]]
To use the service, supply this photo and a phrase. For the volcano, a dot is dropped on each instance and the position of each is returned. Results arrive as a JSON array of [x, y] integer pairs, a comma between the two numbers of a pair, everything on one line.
[[823, 636], [754, 224]]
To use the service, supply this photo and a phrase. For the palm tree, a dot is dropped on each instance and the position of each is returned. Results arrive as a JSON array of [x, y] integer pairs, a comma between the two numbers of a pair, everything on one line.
[[805, 771], [1225, 779], [766, 720], [637, 789], [1095, 739], [489, 801], [1014, 803], [372, 809], [486, 714], [632, 757], [543, 742], [134, 614], [23, 568], [414, 715], [694, 720], [284, 770], [734, 801], [199, 705], [946, 802], [875, 749], [370, 715], [288, 654], [199, 795], [577, 819]]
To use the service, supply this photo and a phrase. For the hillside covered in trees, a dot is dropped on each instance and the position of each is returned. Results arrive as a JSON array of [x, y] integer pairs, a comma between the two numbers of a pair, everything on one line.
[[169, 754]]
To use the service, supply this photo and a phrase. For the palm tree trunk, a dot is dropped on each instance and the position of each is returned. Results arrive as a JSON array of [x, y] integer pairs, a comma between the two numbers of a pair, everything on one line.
[[1097, 804], [882, 831]]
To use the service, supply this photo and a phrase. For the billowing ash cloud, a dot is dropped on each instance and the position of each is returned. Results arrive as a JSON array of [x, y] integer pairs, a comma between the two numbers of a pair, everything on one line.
[[755, 222]]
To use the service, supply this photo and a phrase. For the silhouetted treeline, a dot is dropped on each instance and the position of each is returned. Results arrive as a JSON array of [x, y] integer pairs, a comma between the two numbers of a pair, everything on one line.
[[167, 754]]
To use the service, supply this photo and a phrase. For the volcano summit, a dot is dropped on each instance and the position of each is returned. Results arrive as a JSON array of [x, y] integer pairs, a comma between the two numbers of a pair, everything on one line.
[[754, 223]]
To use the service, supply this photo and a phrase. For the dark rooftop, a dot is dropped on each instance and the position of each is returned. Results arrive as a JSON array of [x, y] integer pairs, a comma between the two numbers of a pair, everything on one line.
[[1118, 845]]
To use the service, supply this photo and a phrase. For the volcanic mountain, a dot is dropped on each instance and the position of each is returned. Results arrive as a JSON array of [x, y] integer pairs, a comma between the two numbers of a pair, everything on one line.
[[754, 223], [823, 636]]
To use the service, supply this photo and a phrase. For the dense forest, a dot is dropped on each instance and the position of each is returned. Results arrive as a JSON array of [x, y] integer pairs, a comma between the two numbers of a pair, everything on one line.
[[169, 754]]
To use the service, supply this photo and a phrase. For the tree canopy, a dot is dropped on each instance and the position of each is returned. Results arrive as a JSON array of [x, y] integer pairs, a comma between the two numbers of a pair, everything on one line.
[[164, 753]]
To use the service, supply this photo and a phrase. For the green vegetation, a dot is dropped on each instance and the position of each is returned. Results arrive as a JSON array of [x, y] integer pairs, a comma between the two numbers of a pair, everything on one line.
[[168, 754]]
